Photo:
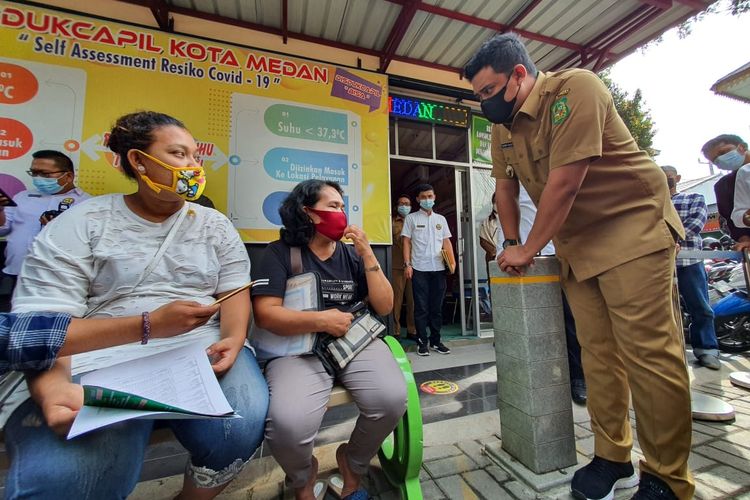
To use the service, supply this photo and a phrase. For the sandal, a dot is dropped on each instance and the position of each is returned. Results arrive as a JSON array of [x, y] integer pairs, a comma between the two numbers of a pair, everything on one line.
[[336, 485]]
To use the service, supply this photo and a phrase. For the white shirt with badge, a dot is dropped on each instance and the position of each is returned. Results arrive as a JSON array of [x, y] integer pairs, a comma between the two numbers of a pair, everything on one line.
[[427, 232], [527, 211], [22, 222]]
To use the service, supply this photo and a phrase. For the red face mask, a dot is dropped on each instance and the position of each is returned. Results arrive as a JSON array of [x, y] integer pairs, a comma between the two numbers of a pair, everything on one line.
[[332, 223]]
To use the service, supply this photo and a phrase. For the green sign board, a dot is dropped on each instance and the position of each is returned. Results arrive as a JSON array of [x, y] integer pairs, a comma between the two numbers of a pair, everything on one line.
[[481, 136]]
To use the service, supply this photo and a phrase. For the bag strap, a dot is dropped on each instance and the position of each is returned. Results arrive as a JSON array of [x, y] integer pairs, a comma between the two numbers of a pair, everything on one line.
[[154, 260], [296, 256]]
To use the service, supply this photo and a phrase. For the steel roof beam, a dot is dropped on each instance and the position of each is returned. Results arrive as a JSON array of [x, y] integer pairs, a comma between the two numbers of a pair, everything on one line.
[[408, 9], [160, 10], [524, 13]]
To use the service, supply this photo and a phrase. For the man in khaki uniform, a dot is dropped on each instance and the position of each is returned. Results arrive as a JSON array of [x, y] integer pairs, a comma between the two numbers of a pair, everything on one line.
[[398, 280], [606, 205]]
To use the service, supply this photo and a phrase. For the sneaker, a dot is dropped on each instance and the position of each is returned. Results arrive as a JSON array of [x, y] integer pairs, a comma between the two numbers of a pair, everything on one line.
[[601, 477], [653, 488], [422, 349], [709, 361], [440, 347]]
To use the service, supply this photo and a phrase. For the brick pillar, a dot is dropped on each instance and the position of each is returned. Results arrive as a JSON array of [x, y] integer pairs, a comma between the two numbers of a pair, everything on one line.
[[533, 386]]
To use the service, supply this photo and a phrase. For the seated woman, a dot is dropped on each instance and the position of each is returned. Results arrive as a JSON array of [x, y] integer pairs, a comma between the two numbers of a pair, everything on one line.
[[314, 219], [120, 255]]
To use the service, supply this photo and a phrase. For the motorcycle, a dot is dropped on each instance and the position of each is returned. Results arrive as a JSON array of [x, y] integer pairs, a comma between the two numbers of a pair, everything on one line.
[[728, 297]]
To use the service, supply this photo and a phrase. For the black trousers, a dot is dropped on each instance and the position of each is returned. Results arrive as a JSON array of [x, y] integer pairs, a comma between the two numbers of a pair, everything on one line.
[[7, 285], [429, 292]]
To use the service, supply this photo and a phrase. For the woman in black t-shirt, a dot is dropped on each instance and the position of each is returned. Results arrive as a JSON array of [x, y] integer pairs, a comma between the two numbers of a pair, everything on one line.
[[314, 219]]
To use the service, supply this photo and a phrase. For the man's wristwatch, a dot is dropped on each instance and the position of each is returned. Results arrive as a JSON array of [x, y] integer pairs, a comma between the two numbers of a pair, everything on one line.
[[407, 264], [510, 243]]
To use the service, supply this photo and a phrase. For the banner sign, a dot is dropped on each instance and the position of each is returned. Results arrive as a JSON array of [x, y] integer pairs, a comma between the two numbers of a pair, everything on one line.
[[263, 121], [481, 137]]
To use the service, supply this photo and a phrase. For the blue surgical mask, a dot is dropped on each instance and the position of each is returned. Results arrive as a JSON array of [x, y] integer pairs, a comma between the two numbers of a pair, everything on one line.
[[46, 186], [731, 160], [404, 210], [427, 204]]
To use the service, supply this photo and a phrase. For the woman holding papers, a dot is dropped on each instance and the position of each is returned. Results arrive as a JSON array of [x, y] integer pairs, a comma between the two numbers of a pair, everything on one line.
[[314, 220], [122, 255]]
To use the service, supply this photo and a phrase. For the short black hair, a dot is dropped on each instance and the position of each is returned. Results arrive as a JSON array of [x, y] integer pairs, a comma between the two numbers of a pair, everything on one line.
[[136, 131], [403, 196], [62, 160], [502, 52], [723, 139], [298, 229], [422, 188]]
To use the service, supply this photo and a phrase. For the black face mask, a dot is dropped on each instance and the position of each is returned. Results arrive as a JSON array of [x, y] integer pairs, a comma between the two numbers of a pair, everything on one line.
[[671, 183], [497, 109]]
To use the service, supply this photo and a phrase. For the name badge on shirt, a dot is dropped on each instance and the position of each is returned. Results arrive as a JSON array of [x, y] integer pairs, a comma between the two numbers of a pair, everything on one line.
[[420, 226]]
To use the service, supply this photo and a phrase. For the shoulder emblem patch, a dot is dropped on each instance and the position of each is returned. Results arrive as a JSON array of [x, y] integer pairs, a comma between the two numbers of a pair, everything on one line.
[[560, 111], [509, 172]]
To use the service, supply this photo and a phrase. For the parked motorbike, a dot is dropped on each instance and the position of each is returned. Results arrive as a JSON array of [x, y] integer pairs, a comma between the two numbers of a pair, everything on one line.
[[728, 296]]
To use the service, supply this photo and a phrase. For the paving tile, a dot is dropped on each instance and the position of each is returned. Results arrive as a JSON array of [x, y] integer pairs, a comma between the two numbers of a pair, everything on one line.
[[455, 488], [476, 452], [498, 474], [431, 491], [724, 478], [705, 492], [484, 484], [713, 429], [700, 438], [450, 466], [581, 432], [731, 447], [438, 452], [585, 446], [519, 490], [723, 457], [697, 462]]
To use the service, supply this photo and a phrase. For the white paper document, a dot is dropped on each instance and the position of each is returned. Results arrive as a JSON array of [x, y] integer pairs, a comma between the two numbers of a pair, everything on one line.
[[174, 384]]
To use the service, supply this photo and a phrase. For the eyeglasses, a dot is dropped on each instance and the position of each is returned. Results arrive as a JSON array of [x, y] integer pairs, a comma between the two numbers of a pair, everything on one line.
[[46, 175]]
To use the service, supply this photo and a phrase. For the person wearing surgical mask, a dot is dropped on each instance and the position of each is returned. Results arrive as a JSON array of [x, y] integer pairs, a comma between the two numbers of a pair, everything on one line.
[[730, 153], [121, 255], [401, 286], [314, 222], [53, 191]]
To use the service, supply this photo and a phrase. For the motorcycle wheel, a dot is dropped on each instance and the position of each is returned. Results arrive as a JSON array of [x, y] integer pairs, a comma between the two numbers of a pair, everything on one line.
[[733, 333]]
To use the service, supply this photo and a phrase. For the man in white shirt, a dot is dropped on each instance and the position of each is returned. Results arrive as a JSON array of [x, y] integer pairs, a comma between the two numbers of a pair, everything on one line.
[[425, 236], [53, 176]]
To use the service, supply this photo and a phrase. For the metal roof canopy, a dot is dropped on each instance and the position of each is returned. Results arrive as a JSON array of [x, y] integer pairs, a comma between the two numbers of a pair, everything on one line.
[[444, 34], [735, 85]]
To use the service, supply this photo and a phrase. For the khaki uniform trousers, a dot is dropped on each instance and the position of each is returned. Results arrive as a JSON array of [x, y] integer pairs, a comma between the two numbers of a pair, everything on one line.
[[401, 285], [631, 345]]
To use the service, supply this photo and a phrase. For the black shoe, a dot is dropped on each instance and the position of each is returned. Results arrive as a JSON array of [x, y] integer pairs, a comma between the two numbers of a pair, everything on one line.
[[653, 488], [601, 477], [422, 349], [440, 347], [578, 391]]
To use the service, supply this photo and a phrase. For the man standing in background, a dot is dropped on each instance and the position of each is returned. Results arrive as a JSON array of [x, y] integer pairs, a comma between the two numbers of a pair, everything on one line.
[[398, 280], [53, 176], [425, 237], [691, 275]]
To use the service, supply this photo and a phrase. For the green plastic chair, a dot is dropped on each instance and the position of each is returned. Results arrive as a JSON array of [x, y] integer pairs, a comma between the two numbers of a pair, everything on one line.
[[401, 453]]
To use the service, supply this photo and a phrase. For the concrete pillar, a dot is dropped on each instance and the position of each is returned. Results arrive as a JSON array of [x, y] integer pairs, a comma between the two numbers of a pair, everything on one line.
[[533, 385]]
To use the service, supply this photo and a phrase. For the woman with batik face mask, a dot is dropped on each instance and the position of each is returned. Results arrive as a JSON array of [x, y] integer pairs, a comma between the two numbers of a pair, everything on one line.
[[314, 220], [124, 255]]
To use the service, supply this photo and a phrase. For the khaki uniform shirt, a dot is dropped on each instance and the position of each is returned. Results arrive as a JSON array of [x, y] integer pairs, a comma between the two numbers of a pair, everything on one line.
[[623, 209], [398, 244]]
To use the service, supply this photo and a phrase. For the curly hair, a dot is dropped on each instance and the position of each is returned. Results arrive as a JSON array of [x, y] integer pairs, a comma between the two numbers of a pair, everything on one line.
[[298, 229], [136, 131]]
